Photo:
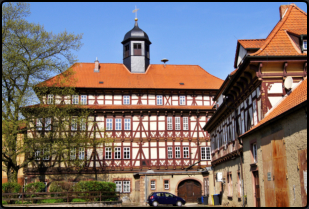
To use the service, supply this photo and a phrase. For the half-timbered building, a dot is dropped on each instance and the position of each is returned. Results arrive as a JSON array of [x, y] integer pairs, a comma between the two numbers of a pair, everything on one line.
[[155, 115], [255, 165]]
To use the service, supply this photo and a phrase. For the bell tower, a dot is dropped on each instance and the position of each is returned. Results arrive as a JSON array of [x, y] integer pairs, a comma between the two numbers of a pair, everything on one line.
[[136, 54]]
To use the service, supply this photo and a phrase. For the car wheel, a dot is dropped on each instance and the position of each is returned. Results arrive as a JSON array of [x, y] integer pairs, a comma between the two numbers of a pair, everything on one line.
[[155, 203], [179, 203]]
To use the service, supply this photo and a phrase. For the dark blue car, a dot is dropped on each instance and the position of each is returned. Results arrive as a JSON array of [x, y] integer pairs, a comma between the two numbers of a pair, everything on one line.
[[156, 198]]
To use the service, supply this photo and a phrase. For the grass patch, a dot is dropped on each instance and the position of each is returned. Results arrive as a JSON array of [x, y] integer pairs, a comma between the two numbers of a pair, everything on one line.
[[51, 201], [78, 200]]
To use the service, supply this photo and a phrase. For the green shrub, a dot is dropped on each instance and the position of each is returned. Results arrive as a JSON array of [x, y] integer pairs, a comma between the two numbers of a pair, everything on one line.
[[4, 202], [87, 186], [11, 187], [60, 186], [35, 187], [20, 202], [51, 201]]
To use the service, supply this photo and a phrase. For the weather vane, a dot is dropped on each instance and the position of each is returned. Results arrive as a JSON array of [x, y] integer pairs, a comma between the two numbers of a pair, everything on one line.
[[135, 11]]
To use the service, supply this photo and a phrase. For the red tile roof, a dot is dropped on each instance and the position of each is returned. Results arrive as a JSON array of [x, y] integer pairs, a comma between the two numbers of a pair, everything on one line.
[[156, 77], [296, 97], [278, 42], [252, 43]]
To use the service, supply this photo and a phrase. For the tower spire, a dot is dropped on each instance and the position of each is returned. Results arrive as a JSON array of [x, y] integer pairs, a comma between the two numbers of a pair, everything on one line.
[[135, 11]]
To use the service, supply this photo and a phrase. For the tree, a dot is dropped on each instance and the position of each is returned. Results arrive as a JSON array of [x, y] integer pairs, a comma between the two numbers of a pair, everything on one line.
[[30, 55]]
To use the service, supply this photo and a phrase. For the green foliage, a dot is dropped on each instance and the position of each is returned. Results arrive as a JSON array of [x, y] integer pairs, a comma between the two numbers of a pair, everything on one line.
[[4, 202], [35, 187], [11, 187], [20, 202], [51, 201], [78, 200], [107, 188]]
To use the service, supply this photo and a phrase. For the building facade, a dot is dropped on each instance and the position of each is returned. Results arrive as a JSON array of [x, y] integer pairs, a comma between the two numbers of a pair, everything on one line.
[[249, 93], [155, 115]]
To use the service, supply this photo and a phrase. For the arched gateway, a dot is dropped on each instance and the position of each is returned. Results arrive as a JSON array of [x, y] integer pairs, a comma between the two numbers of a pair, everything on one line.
[[190, 190]]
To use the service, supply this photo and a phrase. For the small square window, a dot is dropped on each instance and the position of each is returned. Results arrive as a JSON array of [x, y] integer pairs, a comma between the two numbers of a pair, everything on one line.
[[159, 100], [305, 44], [75, 99], [126, 100], [166, 184], [182, 100]]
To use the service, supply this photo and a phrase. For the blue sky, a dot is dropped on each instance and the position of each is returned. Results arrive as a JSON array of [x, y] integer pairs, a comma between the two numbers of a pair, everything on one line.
[[199, 33]]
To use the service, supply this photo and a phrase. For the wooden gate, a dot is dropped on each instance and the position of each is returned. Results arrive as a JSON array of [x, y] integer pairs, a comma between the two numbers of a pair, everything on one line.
[[275, 170], [190, 190], [256, 188]]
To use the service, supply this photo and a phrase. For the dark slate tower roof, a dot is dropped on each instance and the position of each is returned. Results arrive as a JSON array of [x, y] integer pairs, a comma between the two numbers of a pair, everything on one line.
[[136, 34]]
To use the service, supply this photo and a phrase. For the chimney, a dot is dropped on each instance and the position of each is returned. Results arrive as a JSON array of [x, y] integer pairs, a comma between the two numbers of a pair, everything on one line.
[[96, 65], [283, 10]]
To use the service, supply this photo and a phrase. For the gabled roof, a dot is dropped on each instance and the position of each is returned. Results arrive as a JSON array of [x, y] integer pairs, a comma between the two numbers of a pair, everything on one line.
[[252, 43], [156, 77], [278, 42], [295, 98]]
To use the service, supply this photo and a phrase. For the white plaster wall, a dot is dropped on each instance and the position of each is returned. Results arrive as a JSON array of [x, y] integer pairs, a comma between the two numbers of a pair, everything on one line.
[[275, 88]]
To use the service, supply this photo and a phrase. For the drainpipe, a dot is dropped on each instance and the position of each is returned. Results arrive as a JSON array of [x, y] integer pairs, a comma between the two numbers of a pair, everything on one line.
[[146, 185], [242, 179]]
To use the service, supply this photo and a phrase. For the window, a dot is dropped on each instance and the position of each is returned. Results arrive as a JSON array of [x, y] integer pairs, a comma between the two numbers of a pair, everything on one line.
[[117, 153], [305, 44], [74, 124], [177, 152], [83, 124], [126, 186], [126, 100], [126, 152], [170, 152], [185, 123], [74, 99], [47, 124], [229, 183], [255, 119], [50, 99], [39, 124], [169, 123], [81, 153], [109, 124], [254, 152], [137, 49], [205, 153], [177, 123], [242, 123], [239, 184], [127, 124], [46, 153], [166, 184], [37, 154], [182, 100], [147, 51], [108, 153], [118, 124], [159, 100], [118, 186], [83, 99], [186, 152], [153, 185], [73, 153], [126, 51]]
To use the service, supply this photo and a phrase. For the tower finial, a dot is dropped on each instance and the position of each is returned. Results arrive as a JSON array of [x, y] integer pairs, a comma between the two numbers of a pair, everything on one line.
[[135, 11]]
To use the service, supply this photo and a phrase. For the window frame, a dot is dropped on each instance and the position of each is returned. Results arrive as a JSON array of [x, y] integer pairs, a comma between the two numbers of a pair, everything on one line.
[[48, 125], [117, 153], [153, 184], [185, 124], [118, 124], [81, 152], [177, 152], [73, 151], [83, 99], [159, 100], [75, 99], [50, 99], [254, 152], [305, 40], [127, 125], [182, 98], [169, 122], [74, 124], [126, 153], [108, 153], [128, 186], [117, 185], [185, 152], [168, 184], [177, 123], [126, 100], [39, 124], [83, 124], [109, 121], [169, 152]]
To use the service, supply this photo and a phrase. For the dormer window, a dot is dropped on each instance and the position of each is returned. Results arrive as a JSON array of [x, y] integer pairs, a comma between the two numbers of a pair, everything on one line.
[[137, 49], [305, 44]]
